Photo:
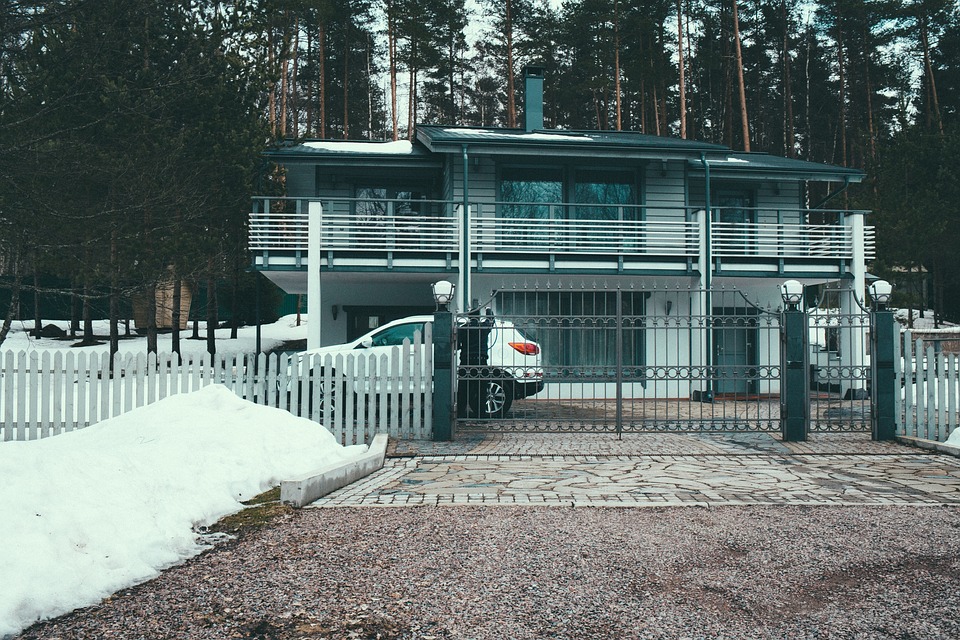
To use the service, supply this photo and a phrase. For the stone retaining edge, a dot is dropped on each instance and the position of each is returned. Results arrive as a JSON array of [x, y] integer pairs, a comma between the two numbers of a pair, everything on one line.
[[932, 445], [301, 491]]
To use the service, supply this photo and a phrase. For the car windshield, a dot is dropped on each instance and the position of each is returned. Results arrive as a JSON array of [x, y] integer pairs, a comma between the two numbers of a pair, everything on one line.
[[397, 334]]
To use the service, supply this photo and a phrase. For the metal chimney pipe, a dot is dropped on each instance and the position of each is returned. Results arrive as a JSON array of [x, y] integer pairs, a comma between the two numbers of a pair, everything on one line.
[[532, 98]]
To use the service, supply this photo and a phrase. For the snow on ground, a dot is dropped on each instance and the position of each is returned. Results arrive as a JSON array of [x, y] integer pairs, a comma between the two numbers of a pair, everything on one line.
[[924, 323], [92, 511], [271, 336]]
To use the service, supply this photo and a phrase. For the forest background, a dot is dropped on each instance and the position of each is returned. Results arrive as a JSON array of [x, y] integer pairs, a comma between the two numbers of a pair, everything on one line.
[[131, 130]]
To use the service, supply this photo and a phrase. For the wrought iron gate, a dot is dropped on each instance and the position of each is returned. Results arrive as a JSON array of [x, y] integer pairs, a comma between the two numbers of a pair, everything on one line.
[[619, 360], [839, 362]]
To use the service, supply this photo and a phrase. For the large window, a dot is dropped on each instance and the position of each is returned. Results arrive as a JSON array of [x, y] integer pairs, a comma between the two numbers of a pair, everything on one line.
[[575, 194], [534, 190], [598, 194], [374, 203]]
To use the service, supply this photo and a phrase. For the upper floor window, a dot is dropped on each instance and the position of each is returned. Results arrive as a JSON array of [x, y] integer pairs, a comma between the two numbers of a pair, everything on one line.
[[602, 194], [378, 202], [543, 193], [534, 190]]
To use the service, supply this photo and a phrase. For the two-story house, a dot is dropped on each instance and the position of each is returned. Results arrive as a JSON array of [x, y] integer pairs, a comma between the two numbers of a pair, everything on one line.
[[366, 227]]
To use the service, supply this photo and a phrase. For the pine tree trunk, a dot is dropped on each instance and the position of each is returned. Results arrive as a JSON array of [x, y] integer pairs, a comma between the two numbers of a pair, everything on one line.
[[74, 313], [321, 43], [13, 310], [410, 94], [683, 91], [744, 121], [789, 134], [392, 54], [177, 302], [284, 67], [616, 64], [114, 296], [271, 88], [211, 312], [841, 67], [37, 320], [308, 129], [928, 69], [88, 336], [511, 89], [346, 82], [295, 90], [151, 317]]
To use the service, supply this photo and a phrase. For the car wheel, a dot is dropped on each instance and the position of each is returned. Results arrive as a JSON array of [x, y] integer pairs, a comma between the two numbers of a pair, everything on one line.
[[492, 401]]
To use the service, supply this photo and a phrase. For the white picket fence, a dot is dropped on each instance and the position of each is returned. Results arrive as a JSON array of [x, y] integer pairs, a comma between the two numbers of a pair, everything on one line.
[[47, 393], [929, 401]]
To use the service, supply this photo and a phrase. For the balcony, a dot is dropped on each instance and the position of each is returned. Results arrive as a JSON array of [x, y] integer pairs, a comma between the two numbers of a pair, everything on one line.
[[427, 235]]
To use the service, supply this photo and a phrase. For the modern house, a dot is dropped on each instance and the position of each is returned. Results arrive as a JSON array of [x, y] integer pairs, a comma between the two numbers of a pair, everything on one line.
[[364, 228]]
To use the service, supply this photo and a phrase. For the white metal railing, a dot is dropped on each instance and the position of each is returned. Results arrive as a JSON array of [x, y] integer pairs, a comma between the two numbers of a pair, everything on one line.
[[45, 394], [614, 237], [280, 224]]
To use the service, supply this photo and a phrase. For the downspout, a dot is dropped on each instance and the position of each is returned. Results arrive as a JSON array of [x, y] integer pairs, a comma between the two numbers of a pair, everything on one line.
[[831, 196], [465, 237], [708, 278]]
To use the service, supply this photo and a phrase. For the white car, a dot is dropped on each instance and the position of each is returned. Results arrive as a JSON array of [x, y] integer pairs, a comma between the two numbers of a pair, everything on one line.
[[513, 367]]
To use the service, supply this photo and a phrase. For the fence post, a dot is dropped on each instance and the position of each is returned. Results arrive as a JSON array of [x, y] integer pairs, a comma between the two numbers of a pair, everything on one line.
[[443, 405], [883, 380], [794, 400]]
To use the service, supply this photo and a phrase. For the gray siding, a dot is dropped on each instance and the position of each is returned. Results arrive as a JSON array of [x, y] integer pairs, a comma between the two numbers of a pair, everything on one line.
[[663, 191]]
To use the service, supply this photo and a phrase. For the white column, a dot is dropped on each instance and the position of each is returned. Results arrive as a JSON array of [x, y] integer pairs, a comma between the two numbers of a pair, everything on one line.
[[314, 219], [853, 327], [700, 307], [464, 280]]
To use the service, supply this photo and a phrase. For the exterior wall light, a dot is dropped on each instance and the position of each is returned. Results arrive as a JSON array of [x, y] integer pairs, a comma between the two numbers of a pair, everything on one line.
[[443, 292], [880, 293], [792, 293]]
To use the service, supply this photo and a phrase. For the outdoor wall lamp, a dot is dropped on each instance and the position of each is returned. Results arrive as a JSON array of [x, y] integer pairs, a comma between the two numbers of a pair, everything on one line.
[[880, 292], [792, 293], [443, 292]]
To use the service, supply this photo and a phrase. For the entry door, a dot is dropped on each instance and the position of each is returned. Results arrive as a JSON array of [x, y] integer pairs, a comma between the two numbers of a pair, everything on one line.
[[734, 352]]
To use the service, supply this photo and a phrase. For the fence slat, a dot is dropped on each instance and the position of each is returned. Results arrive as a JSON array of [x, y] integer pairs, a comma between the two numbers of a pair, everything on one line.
[[8, 386], [22, 397]]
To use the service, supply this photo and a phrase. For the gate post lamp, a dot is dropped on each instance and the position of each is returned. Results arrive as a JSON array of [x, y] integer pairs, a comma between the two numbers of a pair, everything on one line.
[[794, 404], [792, 293], [883, 378], [443, 370], [443, 291], [880, 292]]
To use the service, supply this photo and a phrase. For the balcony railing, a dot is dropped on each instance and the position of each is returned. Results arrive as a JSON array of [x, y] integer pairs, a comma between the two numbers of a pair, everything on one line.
[[422, 228]]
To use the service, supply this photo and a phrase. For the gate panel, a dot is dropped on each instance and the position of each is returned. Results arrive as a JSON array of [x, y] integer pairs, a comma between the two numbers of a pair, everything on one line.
[[638, 360], [839, 380]]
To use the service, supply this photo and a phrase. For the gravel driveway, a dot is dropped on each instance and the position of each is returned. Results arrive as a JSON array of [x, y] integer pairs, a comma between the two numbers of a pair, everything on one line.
[[531, 572]]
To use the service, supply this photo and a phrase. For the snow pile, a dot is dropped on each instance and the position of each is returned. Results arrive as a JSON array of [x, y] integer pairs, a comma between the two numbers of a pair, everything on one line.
[[96, 510], [271, 336]]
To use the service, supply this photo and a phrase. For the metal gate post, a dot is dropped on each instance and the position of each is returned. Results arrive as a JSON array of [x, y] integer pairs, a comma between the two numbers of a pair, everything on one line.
[[443, 371], [883, 379], [794, 401]]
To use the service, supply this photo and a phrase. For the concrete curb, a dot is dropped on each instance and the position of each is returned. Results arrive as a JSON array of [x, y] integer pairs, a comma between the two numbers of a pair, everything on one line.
[[930, 445], [301, 491]]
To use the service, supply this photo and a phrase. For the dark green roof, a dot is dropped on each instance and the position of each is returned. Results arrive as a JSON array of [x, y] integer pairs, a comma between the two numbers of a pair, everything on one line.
[[768, 166], [497, 140], [347, 152]]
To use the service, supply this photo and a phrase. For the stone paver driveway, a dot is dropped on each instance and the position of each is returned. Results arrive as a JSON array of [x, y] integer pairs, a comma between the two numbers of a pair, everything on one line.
[[655, 470]]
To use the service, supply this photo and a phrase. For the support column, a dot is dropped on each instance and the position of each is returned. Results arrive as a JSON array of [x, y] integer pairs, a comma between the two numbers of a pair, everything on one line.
[[314, 220], [701, 315], [443, 387], [794, 401], [852, 330]]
